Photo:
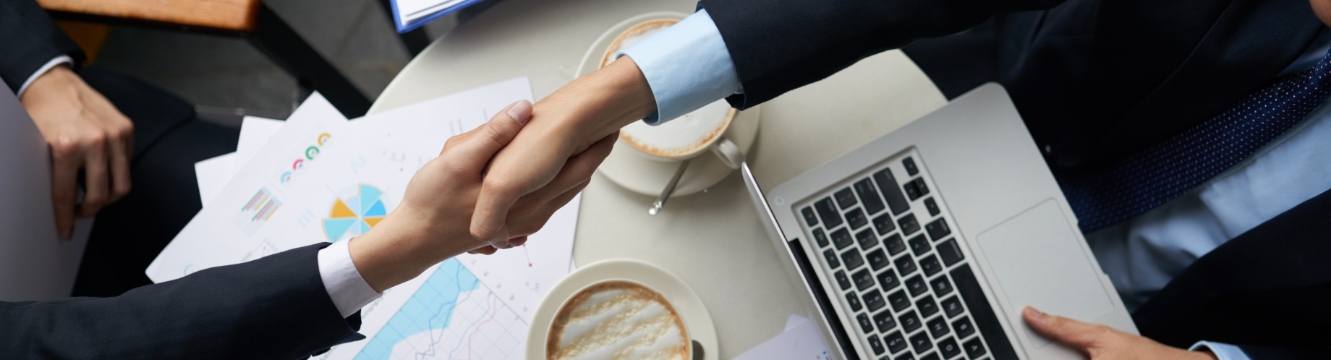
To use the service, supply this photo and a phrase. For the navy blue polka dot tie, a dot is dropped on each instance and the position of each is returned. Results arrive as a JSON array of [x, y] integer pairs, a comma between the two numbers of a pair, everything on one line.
[[1120, 190]]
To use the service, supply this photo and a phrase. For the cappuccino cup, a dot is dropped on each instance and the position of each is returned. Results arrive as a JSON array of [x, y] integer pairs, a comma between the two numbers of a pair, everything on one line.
[[683, 138], [618, 320]]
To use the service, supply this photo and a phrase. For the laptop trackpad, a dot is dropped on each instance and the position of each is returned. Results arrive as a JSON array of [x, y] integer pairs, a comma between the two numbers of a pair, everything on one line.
[[1038, 262]]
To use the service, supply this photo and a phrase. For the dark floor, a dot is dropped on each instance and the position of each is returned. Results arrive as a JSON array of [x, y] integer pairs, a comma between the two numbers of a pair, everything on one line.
[[215, 71]]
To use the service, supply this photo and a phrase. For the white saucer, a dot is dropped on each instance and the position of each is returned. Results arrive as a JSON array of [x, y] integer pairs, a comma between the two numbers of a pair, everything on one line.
[[643, 174], [679, 294]]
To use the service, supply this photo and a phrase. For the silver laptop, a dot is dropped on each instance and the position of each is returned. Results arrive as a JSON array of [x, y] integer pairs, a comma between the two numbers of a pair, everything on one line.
[[926, 243]]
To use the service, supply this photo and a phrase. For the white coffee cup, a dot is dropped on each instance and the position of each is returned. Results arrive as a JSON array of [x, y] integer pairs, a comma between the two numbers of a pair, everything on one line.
[[685, 137]]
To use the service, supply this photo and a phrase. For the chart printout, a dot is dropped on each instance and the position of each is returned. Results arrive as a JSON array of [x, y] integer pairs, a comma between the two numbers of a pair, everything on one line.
[[472, 306]]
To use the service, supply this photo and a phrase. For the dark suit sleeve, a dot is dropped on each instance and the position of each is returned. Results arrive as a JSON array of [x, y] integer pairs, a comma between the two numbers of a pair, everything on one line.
[[275, 307], [28, 40], [780, 45]]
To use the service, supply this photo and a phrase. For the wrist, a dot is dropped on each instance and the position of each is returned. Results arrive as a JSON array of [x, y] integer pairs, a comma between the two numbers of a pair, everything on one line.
[[395, 251], [600, 103]]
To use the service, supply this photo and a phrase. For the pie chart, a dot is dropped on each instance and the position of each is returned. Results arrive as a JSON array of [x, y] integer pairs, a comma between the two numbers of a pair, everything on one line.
[[356, 209]]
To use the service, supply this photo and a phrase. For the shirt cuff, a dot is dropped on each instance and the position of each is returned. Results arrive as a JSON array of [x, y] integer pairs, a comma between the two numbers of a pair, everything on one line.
[[686, 65], [1222, 351], [57, 61], [343, 282]]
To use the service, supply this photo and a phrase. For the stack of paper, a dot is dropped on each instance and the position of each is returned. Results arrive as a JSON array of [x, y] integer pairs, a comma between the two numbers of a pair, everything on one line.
[[411, 14], [319, 178]]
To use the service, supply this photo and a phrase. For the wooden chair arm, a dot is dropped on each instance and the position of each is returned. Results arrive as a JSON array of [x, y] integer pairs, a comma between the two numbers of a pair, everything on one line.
[[226, 15]]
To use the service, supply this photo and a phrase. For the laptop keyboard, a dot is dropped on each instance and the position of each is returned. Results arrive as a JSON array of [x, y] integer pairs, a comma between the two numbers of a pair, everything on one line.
[[898, 270]]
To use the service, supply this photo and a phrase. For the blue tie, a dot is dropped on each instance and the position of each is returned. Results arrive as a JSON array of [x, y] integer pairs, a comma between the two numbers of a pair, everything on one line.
[[1123, 189]]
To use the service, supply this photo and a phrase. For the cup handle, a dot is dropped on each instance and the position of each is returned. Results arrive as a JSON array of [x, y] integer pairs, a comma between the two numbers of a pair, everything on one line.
[[728, 152]]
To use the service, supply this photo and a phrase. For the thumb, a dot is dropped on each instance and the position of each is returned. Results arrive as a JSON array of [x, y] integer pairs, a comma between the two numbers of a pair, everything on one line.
[[485, 141], [1071, 332]]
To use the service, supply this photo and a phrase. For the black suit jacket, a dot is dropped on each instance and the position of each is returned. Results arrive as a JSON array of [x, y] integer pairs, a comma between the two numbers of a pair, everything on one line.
[[275, 307], [29, 40], [1094, 80]]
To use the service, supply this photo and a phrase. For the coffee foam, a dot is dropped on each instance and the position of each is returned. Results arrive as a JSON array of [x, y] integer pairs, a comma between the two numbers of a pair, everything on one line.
[[617, 320], [682, 136]]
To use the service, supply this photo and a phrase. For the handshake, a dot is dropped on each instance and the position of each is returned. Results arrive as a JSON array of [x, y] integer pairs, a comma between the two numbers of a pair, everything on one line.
[[493, 186]]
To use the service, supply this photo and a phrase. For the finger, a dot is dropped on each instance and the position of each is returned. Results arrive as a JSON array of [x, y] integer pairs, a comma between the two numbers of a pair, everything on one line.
[[65, 161], [120, 149], [533, 222], [1071, 332], [518, 241], [96, 180], [484, 250], [481, 144]]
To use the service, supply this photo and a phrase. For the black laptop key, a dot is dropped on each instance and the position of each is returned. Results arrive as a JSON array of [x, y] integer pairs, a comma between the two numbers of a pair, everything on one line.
[[884, 224], [854, 301], [832, 261], [877, 259], [845, 198], [887, 185], [908, 224], [941, 286], [921, 342], [828, 212], [820, 237], [863, 279], [929, 356], [852, 259], [856, 218], [900, 301], [905, 265], [865, 324], [866, 239], [841, 238], [876, 345], [932, 206], [842, 280], [916, 285], [909, 321], [915, 189], [984, 317], [938, 229], [963, 328], [906, 356], [895, 342], [974, 348], [888, 280], [927, 306], [909, 164], [952, 307], [938, 327], [930, 265], [869, 196], [948, 347], [894, 244], [873, 300], [809, 217], [949, 251], [884, 321], [919, 245]]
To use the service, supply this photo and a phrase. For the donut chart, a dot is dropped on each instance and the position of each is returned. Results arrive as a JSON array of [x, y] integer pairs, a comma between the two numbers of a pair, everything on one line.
[[356, 210]]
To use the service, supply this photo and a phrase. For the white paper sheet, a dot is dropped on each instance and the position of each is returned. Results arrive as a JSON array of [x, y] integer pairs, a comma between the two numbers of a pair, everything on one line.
[[35, 264], [213, 174], [254, 134], [800, 340]]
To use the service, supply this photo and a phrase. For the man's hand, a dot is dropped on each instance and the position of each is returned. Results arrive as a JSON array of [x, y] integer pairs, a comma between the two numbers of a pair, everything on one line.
[[433, 221], [85, 132], [587, 111], [1102, 342]]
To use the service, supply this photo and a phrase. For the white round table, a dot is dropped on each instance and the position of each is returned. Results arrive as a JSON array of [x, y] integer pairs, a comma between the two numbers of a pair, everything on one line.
[[713, 240]]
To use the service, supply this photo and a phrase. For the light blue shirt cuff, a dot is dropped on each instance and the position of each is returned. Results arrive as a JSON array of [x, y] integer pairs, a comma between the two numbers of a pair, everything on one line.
[[686, 65], [1222, 351]]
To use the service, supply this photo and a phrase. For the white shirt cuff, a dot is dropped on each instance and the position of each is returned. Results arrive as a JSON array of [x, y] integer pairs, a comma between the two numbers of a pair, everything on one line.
[[345, 286], [686, 65], [1222, 351], [57, 61]]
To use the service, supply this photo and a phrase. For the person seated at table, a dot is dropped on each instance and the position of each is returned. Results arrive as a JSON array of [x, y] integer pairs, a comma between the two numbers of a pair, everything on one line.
[[298, 302], [1208, 235]]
